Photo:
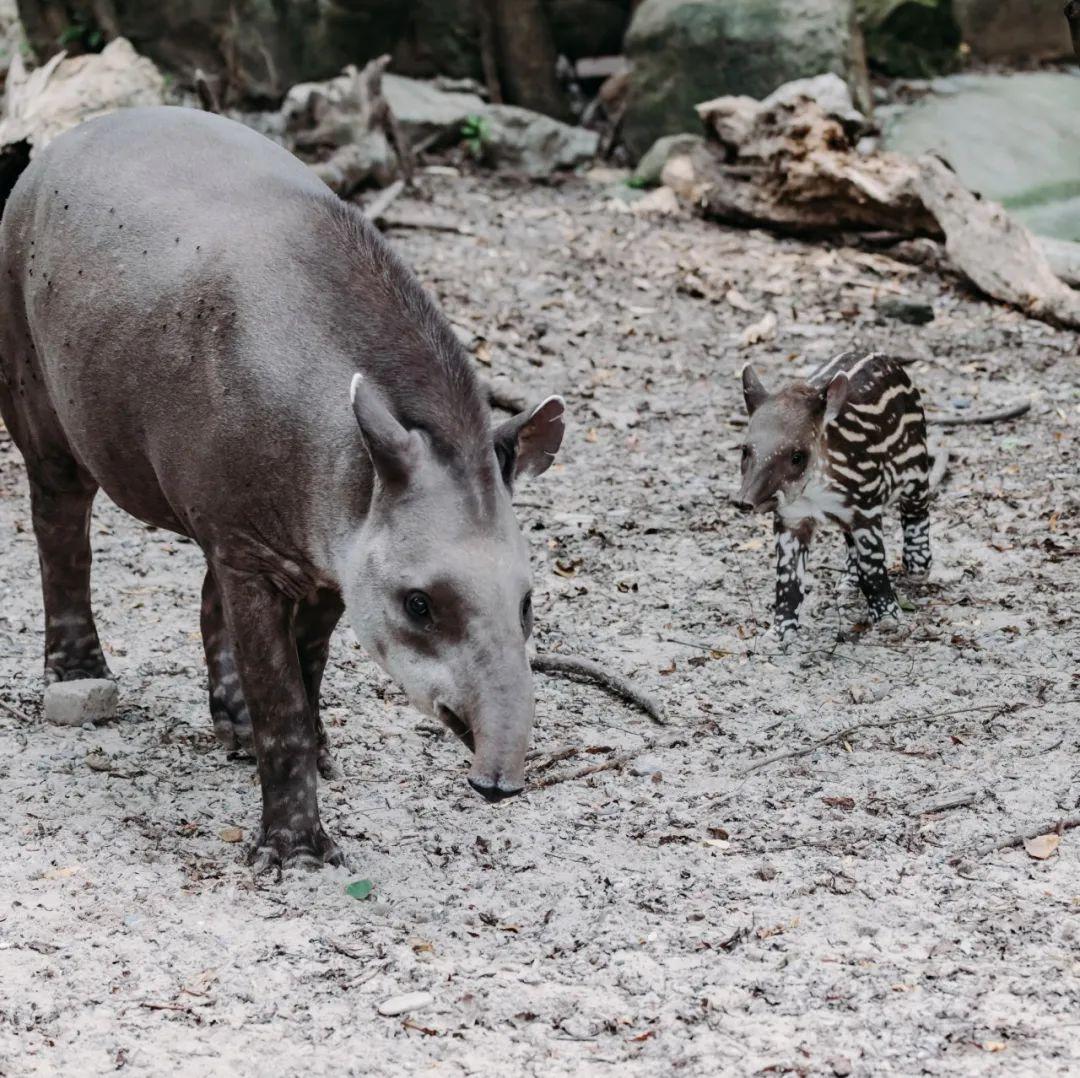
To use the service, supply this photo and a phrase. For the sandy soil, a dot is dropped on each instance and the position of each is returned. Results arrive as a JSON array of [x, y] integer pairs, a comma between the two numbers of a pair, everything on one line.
[[684, 915]]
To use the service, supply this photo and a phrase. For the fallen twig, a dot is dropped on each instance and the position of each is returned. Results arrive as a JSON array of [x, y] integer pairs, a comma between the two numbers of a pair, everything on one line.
[[613, 763], [1057, 826], [943, 803], [14, 712], [575, 666], [381, 202], [430, 226], [880, 724], [1014, 410]]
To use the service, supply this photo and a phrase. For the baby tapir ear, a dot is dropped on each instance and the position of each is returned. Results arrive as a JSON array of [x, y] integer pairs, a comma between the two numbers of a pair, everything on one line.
[[754, 393], [527, 444], [836, 396], [388, 443]]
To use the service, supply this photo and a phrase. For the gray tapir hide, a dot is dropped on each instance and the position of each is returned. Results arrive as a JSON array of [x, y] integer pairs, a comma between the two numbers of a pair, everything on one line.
[[194, 323]]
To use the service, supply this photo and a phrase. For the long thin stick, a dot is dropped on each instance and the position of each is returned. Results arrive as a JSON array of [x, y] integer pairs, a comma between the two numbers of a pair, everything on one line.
[[14, 712], [880, 724], [575, 666], [381, 202], [1059, 825], [613, 763], [943, 803], [1014, 410]]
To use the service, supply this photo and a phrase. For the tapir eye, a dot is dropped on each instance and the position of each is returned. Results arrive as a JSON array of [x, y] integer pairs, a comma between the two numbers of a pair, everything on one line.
[[798, 458], [418, 606], [527, 615]]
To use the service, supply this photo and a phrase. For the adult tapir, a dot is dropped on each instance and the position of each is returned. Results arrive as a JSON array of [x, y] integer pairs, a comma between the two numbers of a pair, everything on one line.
[[194, 323]]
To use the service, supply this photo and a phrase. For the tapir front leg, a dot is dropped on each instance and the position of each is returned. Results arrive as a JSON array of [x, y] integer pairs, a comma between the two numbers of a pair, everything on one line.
[[316, 618], [792, 544], [873, 573], [261, 620]]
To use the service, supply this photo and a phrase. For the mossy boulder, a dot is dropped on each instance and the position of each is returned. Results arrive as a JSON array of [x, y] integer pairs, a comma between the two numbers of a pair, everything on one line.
[[687, 51]]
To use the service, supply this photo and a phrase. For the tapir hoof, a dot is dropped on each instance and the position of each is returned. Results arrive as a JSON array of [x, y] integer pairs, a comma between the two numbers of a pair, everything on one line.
[[235, 736], [285, 848]]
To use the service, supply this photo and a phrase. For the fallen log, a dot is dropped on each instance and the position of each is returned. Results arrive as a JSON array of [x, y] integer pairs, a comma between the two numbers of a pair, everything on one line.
[[791, 165]]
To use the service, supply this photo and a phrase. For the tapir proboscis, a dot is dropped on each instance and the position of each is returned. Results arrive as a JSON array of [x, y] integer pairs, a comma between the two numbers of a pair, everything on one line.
[[192, 322]]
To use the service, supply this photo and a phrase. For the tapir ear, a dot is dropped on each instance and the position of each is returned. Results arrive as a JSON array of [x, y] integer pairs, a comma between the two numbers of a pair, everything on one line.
[[388, 443], [527, 444], [754, 393], [836, 396]]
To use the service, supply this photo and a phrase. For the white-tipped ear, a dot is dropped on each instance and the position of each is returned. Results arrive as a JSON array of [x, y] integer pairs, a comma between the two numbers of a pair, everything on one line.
[[388, 443], [527, 444], [836, 396], [754, 393]]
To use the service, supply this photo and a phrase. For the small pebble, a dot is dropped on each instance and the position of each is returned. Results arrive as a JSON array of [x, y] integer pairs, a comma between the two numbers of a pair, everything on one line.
[[411, 1001], [74, 703]]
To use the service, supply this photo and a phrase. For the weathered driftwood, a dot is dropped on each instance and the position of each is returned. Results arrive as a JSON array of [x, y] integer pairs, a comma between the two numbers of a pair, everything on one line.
[[999, 255], [790, 165], [354, 135]]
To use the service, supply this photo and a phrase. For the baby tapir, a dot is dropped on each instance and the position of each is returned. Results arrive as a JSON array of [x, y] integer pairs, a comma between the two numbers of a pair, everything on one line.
[[840, 447], [191, 321]]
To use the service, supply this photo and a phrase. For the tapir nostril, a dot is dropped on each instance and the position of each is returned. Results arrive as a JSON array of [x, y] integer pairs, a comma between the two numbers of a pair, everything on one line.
[[491, 794]]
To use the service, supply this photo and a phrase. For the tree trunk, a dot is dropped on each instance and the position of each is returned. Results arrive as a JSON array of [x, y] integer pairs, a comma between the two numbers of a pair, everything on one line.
[[1072, 13], [526, 50]]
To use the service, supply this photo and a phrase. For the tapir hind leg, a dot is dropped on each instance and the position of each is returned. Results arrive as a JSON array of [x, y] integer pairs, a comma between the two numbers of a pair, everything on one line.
[[314, 624], [260, 619], [61, 499], [228, 709]]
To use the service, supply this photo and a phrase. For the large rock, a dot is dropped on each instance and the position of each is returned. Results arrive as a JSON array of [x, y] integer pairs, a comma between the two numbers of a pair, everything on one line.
[[1014, 29], [688, 51], [44, 103], [506, 137], [1014, 138], [262, 47]]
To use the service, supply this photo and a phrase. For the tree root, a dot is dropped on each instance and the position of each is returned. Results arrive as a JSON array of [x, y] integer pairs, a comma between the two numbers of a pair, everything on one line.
[[576, 667]]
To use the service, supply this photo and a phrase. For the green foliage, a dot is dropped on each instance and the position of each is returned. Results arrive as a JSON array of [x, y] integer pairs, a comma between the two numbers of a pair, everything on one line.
[[912, 38], [638, 183], [475, 132], [83, 33]]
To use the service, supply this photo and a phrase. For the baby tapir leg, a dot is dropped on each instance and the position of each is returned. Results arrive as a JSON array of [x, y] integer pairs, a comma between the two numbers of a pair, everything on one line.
[[873, 572], [61, 497], [260, 620], [228, 709], [316, 618], [915, 518], [792, 544], [851, 571]]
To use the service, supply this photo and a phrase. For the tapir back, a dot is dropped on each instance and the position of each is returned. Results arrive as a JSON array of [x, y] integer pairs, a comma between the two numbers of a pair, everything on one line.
[[175, 285]]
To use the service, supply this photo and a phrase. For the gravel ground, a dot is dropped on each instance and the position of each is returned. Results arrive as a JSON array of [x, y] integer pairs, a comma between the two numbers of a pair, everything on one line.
[[704, 910]]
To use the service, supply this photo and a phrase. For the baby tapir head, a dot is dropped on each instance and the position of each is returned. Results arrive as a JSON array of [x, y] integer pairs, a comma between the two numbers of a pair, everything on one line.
[[783, 438], [438, 584]]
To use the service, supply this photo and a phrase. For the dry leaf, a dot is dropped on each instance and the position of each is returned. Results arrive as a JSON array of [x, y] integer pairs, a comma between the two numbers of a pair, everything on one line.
[[993, 1046], [1042, 847], [231, 834], [738, 300], [845, 803]]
